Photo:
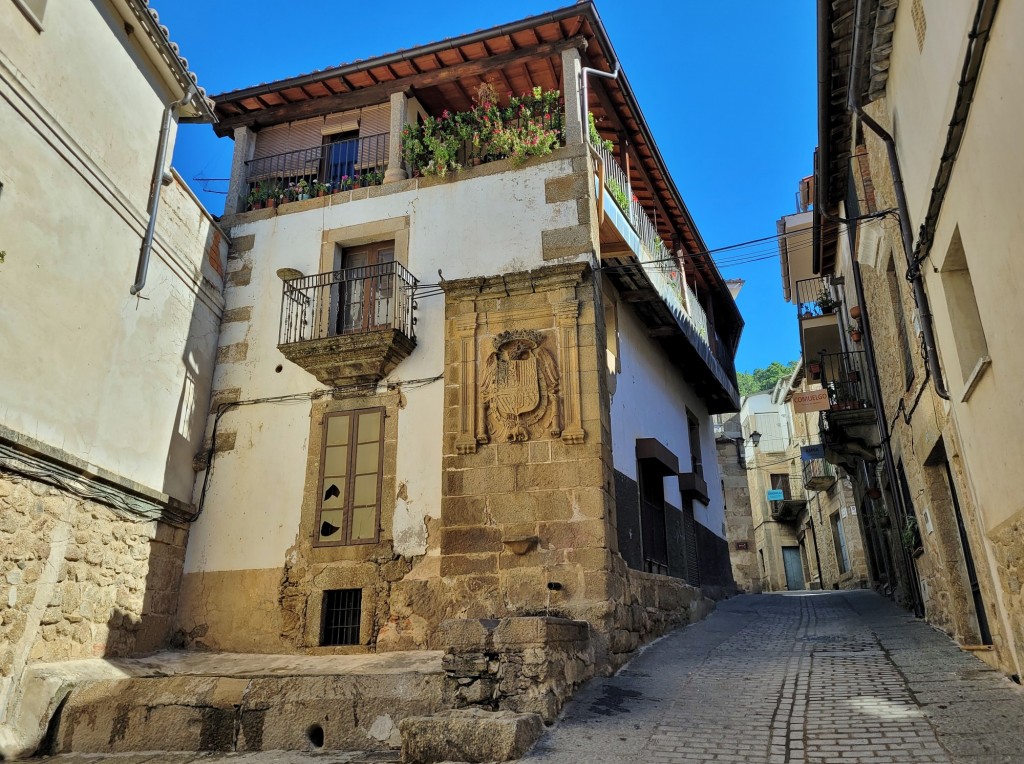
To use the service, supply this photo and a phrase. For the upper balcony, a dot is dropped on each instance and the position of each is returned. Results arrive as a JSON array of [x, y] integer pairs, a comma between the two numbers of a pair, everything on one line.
[[817, 310], [654, 280], [349, 326], [309, 171], [849, 426], [792, 503], [819, 475]]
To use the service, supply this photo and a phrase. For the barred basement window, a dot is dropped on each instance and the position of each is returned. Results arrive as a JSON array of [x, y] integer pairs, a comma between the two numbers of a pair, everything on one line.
[[341, 613]]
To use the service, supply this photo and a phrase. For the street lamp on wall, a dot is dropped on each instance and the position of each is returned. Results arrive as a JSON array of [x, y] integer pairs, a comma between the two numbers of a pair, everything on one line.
[[755, 438]]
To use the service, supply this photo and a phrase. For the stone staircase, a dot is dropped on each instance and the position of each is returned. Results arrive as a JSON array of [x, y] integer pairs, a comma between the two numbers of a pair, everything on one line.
[[246, 703]]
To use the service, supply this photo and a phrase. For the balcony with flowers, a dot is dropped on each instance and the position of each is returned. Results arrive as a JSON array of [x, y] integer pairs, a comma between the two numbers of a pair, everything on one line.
[[644, 266]]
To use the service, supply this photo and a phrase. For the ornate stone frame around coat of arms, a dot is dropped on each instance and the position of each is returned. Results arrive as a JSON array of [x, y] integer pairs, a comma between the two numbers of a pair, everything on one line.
[[517, 384]]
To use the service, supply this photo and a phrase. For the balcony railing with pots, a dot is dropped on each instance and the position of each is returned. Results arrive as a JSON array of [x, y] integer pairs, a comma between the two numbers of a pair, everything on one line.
[[814, 298], [846, 377], [819, 475], [318, 170], [350, 325], [661, 267]]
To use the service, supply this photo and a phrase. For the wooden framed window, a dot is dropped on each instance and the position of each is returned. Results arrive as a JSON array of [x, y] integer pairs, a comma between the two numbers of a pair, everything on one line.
[[351, 472]]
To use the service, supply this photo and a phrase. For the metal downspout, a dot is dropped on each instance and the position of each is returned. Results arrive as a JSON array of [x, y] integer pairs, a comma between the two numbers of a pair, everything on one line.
[[154, 202], [913, 271], [585, 93]]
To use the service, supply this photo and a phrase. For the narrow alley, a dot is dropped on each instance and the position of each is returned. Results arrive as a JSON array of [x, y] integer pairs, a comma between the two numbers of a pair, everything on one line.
[[807, 677]]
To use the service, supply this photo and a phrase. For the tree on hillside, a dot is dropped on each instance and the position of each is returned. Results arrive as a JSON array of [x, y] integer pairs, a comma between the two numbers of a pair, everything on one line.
[[760, 380]]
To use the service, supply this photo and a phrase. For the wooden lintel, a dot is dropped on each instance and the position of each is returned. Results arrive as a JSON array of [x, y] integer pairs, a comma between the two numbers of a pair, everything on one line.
[[382, 92]]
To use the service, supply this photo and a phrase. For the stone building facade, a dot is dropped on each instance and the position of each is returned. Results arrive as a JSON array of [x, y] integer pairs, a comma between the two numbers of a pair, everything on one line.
[[532, 396], [105, 393], [923, 280]]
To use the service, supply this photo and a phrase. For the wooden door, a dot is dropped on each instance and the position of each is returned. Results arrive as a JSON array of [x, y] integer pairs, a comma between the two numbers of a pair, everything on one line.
[[366, 288]]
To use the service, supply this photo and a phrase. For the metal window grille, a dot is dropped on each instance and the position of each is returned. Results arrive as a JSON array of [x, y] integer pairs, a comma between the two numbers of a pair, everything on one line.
[[342, 610]]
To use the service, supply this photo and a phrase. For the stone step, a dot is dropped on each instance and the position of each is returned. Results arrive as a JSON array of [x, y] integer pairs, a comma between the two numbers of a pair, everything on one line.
[[335, 703]]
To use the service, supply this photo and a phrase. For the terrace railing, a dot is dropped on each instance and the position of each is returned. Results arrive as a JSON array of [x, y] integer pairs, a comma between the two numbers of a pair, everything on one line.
[[350, 301], [340, 165], [659, 264], [846, 378], [814, 298]]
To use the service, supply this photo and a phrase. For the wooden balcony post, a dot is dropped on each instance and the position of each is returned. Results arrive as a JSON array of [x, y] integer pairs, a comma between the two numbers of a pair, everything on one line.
[[399, 110], [245, 147]]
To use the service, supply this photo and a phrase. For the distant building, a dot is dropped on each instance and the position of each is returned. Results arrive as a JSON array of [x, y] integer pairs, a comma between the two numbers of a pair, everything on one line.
[[805, 525]]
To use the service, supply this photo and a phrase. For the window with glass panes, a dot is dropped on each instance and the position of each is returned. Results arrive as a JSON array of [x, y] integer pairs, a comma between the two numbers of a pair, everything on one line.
[[353, 454]]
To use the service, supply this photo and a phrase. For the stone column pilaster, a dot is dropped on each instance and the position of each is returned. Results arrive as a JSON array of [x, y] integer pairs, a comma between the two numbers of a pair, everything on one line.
[[575, 121], [399, 108], [471, 425], [567, 316], [245, 146]]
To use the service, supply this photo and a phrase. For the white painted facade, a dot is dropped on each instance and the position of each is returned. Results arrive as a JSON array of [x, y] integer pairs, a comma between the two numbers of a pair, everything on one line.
[[650, 400], [117, 381], [251, 511]]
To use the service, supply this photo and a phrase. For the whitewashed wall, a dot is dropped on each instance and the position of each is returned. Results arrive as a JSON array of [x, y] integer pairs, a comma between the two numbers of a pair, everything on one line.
[[252, 511], [650, 401], [119, 381]]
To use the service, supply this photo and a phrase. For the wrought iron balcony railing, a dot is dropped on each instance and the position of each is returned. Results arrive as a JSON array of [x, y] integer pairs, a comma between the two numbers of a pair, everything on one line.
[[350, 301], [846, 378], [814, 298], [337, 166]]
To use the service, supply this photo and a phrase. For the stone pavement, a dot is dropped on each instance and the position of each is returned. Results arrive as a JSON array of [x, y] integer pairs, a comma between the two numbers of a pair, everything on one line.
[[830, 677], [843, 677]]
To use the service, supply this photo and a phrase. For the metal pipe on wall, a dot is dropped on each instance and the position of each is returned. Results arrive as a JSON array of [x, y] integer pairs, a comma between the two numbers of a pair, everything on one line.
[[142, 268]]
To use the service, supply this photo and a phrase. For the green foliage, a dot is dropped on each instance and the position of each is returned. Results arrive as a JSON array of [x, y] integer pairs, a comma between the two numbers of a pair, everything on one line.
[[524, 128], [763, 379], [595, 137], [618, 194]]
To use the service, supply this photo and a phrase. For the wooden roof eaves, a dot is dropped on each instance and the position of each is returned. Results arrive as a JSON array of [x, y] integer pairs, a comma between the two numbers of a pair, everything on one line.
[[411, 53]]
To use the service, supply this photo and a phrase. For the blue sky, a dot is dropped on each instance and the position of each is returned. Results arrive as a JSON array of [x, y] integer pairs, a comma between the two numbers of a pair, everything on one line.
[[727, 87]]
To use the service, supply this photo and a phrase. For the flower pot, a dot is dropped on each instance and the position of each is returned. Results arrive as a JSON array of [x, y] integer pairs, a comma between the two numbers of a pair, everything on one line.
[[855, 336], [356, 186], [271, 203], [303, 197], [319, 194], [855, 312]]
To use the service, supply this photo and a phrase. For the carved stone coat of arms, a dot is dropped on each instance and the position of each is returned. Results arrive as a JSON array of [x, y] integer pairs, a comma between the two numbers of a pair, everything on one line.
[[519, 389]]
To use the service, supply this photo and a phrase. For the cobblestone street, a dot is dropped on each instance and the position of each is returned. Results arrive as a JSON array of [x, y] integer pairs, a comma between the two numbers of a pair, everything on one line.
[[844, 677], [823, 677]]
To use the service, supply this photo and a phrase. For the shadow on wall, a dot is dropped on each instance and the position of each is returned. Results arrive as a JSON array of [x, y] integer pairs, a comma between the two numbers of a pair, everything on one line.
[[198, 359]]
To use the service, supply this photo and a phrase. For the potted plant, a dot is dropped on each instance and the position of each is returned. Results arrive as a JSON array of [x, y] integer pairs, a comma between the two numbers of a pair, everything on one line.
[[320, 189], [826, 302], [255, 199], [301, 190], [911, 537], [271, 198], [854, 332]]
